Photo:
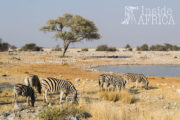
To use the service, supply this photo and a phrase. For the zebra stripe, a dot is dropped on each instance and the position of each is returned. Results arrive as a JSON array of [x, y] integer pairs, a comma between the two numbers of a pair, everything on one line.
[[26, 91], [116, 81], [138, 78], [55, 85]]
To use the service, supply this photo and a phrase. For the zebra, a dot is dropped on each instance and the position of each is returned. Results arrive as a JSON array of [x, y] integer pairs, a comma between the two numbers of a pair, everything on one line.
[[138, 78], [50, 84], [116, 81], [33, 81], [26, 91]]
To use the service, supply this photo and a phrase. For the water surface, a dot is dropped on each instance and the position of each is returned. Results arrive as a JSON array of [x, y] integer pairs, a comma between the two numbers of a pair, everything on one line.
[[154, 70]]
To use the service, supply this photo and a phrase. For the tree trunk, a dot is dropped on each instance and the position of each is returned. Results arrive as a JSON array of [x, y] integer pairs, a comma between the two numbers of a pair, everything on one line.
[[66, 45]]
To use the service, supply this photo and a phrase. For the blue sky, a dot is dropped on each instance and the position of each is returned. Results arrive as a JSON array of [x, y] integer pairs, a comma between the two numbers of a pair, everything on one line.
[[20, 21]]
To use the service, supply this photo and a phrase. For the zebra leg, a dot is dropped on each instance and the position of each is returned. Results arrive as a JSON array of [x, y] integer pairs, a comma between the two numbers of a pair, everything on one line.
[[127, 83], [46, 100], [61, 95], [114, 88], [28, 101], [119, 88], [101, 86], [108, 87], [15, 98], [137, 84], [66, 94]]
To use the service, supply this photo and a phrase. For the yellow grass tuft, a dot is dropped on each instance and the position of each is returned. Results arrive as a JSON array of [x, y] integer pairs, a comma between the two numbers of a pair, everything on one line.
[[6, 93], [104, 111], [123, 96]]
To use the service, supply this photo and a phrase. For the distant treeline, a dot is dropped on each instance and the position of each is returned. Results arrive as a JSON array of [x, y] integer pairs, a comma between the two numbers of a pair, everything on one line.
[[4, 46], [158, 47]]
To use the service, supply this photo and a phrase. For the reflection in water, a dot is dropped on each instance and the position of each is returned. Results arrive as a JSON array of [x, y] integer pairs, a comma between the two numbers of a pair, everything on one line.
[[154, 70]]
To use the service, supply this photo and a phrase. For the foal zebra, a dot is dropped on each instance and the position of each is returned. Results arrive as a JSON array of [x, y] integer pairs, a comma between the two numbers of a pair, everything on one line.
[[26, 91], [116, 81], [55, 85], [33, 81], [138, 78]]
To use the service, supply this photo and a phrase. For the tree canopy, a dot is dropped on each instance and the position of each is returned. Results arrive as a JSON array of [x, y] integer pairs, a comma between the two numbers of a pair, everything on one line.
[[71, 28]]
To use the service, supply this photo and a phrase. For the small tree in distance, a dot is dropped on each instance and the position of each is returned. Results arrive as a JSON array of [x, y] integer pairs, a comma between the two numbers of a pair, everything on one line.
[[144, 47], [128, 47], [71, 28]]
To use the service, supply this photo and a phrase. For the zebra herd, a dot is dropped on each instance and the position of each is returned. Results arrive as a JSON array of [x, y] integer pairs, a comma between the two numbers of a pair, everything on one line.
[[117, 81], [65, 87], [48, 84]]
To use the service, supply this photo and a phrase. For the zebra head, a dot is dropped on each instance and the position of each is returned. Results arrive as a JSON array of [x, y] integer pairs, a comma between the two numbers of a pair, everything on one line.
[[36, 83], [146, 85], [33, 99], [75, 99], [146, 82]]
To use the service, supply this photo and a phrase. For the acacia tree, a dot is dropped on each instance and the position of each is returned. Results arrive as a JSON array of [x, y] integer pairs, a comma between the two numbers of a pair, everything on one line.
[[71, 28]]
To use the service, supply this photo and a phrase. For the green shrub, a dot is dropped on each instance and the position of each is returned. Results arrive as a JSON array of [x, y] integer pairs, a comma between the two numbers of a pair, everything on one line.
[[31, 47], [57, 48], [105, 48], [127, 46], [60, 113], [84, 49], [129, 49], [144, 47], [4, 46], [102, 48], [112, 49]]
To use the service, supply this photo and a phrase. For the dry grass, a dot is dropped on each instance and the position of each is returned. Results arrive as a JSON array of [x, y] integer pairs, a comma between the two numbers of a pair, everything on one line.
[[6, 93], [104, 111], [107, 111], [124, 96], [148, 108]]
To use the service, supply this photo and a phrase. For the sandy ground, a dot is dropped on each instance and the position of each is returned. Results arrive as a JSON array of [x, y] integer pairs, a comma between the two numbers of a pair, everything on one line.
[[161, 98]]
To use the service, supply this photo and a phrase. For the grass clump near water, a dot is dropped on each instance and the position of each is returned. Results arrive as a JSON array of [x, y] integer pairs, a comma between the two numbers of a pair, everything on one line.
[[123, 96], [84, 49]]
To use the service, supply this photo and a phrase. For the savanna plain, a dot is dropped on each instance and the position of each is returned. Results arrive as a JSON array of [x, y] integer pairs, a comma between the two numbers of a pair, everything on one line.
[[160, 102]]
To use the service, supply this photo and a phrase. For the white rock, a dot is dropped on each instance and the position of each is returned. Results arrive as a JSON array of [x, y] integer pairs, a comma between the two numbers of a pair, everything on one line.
[[178, 90], [77, 79], [18, 107], [176, 103]]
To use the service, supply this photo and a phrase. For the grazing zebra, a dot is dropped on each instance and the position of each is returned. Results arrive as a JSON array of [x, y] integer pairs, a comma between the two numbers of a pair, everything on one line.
[[138, 78], [26, 91], [116, 81], [56, 85], [33, 81]]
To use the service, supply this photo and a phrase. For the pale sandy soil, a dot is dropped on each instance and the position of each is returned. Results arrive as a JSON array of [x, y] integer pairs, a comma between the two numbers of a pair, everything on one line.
[[162, 100]]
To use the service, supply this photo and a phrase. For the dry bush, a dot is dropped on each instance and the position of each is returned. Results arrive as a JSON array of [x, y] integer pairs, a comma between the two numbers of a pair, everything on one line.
[[123, 96], [109, 111], [104, 111], [6, 93]]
